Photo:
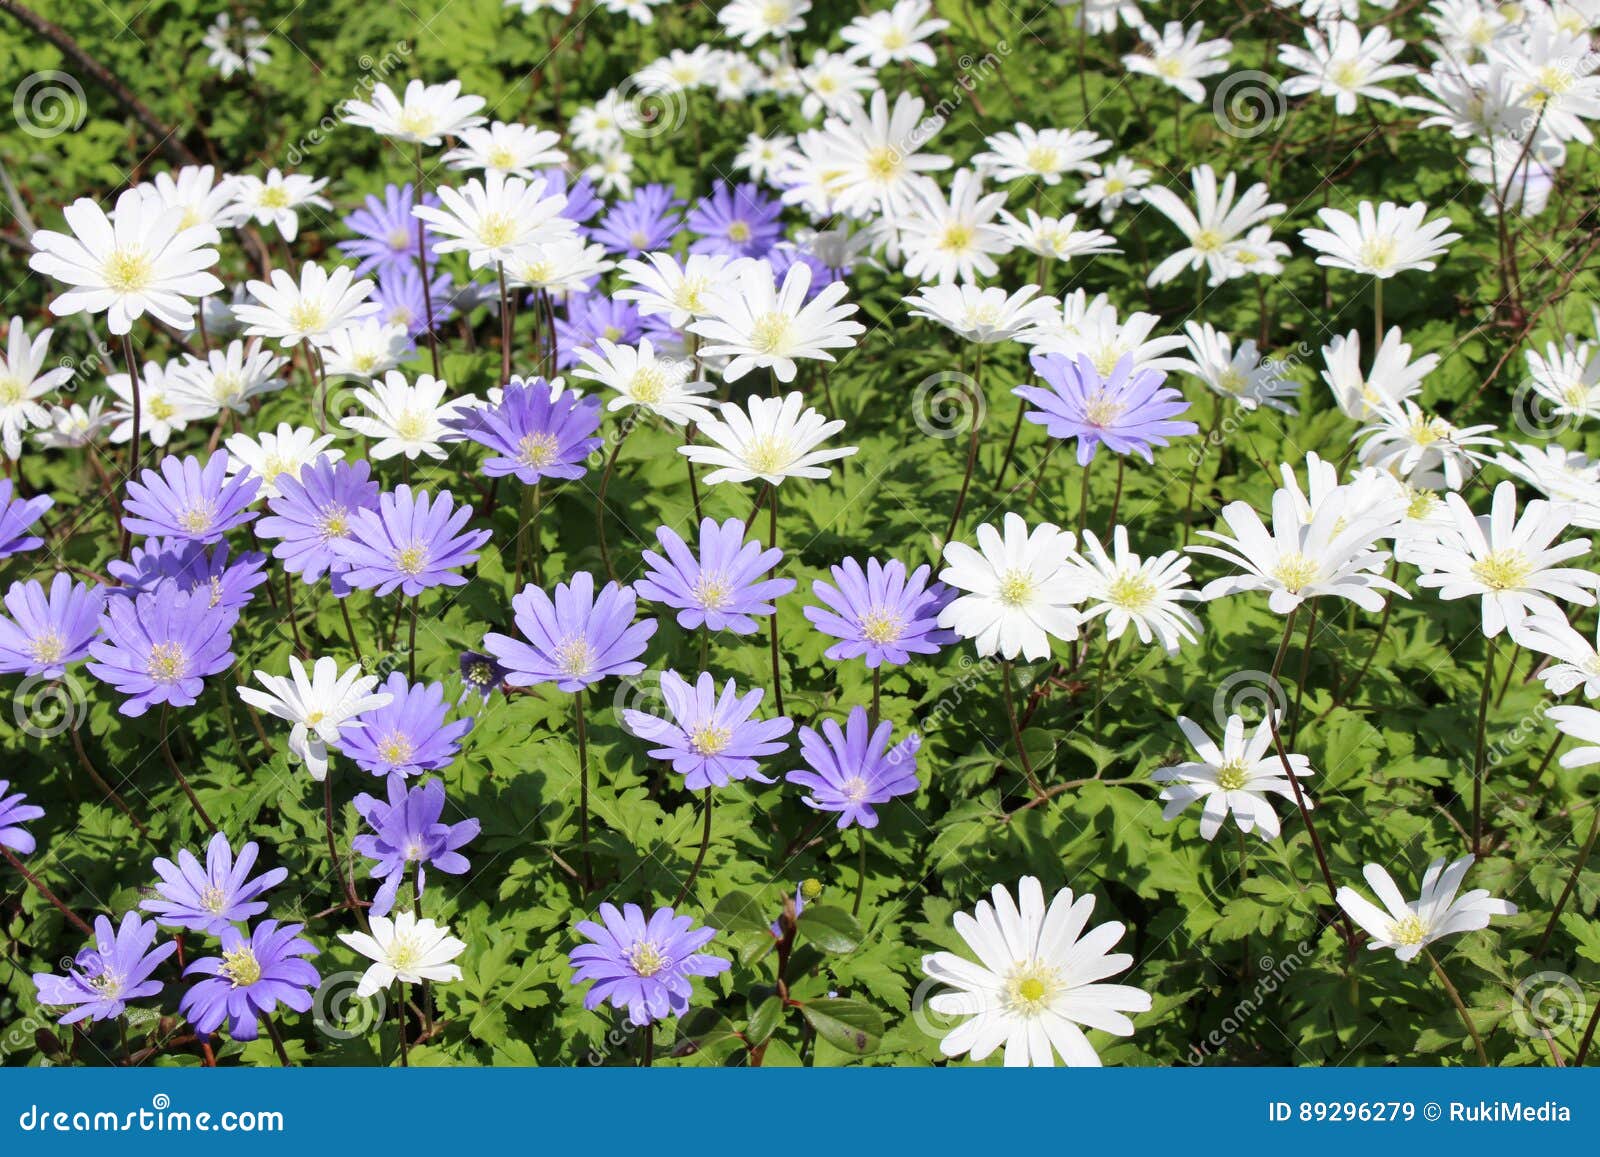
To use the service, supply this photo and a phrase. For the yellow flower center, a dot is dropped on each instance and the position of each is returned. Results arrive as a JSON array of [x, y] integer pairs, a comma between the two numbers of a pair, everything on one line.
[[1377, 252], [709, 739], [396, 748], [496, 230], [274, 197], [768, 454], [882, 627], [1410, 930], [128, 271], [883, 163], [404, 953], [1422, 504], [690, 294], [307, 316], [333, 521], [1016, 587], [167, 662], [501, 158], [411, 560], [212, 899], [1232, 776], [1169, 67], [956, 238], [574, 657], [537, 450], [241, 966], [1207, 241], [160, 409], [770, 334], [649, 385], [417, 122], [1231, 381], [197, 519], [1347, 74], [1131, 591], [739, 231], [1043, 159], [1503, 570], [1102, 409], [47, 648], [1030, 988], [1296, 572], [711, 590], [399, 239], [646, 959], [10, 391]]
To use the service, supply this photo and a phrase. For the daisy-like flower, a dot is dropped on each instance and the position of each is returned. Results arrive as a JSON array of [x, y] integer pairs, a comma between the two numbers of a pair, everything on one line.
[[880, 613], [45, 632], [22, 385], [952, 238], [1297, 560], [491, 219], [163, 564], [17, 518], [307, 310], [410, 418], [536, 430], [140, 260], [1121, 182], [748, 21], [408, 838], [74, 427], [1237, 777], [188, 501], [1394, 377], [1582, 723], [850, 770], [1424, 449], [646, 221], [1578, 662], [641, 378], [1057, 238], [1566, 476], [709, 738], [560, 267], [241, 50], [114, 970], [407, 735], [722, 588], [1408, 927], [316, 705], [1039, 154], [409, 543], [862, 161], [1018, 591], [982, 315], [574, 640], [1213, 228], [272, 457], [1380, 240], [1128, 411], [275, 201], [386, 232], [13, 814], [1089, 327], [211, 897], [166, 405], [1512, 563], [735, 220], [833, 82], [761, 325], [195, 190], [406, 949], [768, 438], [642, 964], [1037, 981], [899, 34], [230, 378], [424, 115], [1339, 62], [762, 156], [664, 287], [257, 971], [515, 150], [314, 510], [1145, 593], [1177, 56], [1568, 377], [1239, 375], [159, 647], [366, 350]]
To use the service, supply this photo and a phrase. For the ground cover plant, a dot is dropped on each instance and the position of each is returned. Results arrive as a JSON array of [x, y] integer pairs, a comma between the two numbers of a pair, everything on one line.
[[791, 533]]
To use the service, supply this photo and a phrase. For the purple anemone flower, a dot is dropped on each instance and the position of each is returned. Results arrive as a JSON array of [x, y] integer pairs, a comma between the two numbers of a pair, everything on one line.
[[188, 566], [481, 675], [398, 294], [252, 977], [408, 734], [214, 896], [536, 431], [160, 647], [45, 632], [410, 543], [386, 232], [1130, 412], [16, 517], [642, 965], [853, 769], [407, 831], [735, 221], [644, 222], [115, 969], [723, 587], [312, 512], [576, 639], [881, 614], [189, 501], [590, 317], [13, 814], [709, 739]]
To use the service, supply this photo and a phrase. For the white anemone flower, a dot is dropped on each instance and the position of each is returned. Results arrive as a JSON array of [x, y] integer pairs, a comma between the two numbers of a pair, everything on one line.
[[306, 310], [770, 439], [1037, 982], [1578, 659], [894, 35], [405, 948], [1240, 375], [1177, 56], [679, 290], [1025, 153], [1380, 240], [22, 385], [761, 325], [1341, 63], [515, 150], [425, 115], [406, 417], [1424, 449], [1394, 377], [492, 218], [270, 455], [275, 201], [984, 315], [1019, 590], [1408, 927], [1238, 778], [1144, 593], [316, 704], [1213, 228], [641, 378]]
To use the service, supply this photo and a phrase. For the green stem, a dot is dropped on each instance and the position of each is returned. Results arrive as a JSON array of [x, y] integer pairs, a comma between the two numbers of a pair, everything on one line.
[[1455, 999], [1480, 761]]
